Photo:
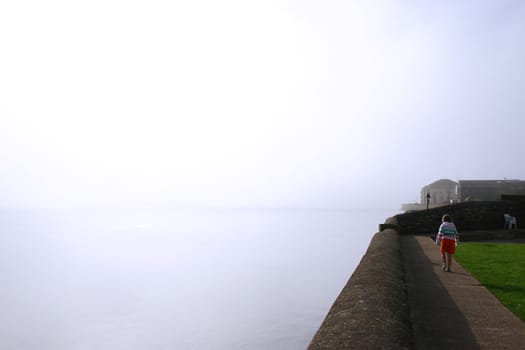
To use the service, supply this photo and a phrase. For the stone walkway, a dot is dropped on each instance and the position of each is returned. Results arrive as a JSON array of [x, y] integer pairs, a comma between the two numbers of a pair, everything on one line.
[[452, 310]]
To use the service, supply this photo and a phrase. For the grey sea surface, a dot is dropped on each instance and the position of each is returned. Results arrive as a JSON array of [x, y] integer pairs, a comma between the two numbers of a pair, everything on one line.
[[174, 279]]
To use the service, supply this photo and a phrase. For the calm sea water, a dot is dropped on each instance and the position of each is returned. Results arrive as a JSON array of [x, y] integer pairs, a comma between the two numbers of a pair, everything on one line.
[[166, 279]]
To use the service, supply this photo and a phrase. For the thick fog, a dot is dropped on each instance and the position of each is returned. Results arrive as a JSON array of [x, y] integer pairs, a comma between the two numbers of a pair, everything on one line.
[[115, 113], [256, 104]]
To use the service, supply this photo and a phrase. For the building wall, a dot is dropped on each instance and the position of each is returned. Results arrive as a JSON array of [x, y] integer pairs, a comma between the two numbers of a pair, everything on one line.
[[441, 191], [488, 190]]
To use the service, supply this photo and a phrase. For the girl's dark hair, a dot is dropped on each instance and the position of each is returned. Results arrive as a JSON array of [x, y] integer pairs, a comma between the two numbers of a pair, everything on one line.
[[446, 218]]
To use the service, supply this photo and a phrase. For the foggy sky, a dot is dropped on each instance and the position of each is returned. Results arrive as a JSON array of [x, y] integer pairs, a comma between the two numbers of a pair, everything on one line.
[[244, 103]]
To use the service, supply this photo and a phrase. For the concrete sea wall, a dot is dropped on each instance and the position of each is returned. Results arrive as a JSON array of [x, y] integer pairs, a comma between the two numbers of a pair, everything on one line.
[[371, 312]]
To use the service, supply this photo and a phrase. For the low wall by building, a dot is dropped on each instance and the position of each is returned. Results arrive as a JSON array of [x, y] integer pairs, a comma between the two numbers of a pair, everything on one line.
[[371, 312], [466, 215]]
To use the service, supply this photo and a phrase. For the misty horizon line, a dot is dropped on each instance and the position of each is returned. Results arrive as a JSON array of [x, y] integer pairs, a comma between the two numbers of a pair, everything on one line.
[[189, 207]]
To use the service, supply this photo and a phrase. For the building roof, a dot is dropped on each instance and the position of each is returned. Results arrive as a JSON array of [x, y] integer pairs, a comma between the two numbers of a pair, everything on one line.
[[441, 183], [444, 182], [490, 181]]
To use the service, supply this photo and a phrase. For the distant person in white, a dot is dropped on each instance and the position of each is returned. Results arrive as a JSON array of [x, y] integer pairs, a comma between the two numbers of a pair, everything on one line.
[[510, 221]]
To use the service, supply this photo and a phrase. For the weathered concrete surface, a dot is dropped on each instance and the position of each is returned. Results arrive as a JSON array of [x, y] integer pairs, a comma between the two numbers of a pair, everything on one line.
[[399, 298], [371, 311], [452, 310]]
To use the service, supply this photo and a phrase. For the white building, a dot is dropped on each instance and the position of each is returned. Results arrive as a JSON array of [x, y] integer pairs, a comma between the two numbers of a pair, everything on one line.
[[441, 192]]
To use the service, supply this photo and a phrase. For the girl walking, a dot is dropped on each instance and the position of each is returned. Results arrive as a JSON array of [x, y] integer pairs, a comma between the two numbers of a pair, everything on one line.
[[448, 237]]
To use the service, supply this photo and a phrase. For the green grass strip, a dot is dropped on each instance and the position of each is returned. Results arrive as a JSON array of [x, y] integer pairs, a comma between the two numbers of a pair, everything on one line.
[[500, 268]]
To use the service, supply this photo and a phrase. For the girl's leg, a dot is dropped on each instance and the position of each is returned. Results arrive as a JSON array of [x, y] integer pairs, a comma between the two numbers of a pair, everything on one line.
[[443, 257], [449, 261]]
